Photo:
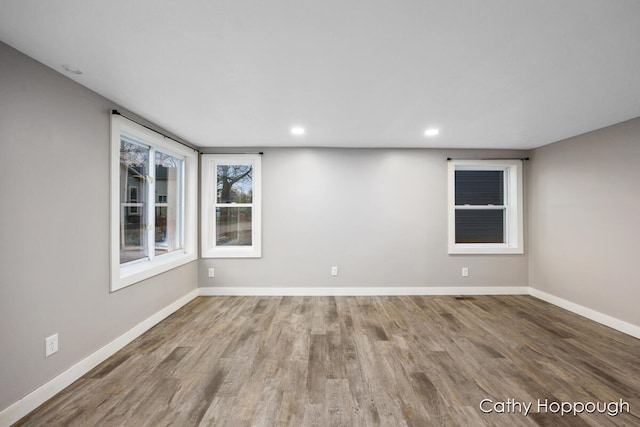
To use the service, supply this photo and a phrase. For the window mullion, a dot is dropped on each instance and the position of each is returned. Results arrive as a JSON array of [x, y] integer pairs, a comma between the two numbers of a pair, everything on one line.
[[232, 205], [151, 199], [507, 179], [216, 205], [181, 205], [479, 207]]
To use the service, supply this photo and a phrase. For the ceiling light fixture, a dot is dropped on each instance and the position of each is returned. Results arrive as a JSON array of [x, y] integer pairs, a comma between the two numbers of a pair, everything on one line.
[[297, 130], [431, 132], [72, 70]]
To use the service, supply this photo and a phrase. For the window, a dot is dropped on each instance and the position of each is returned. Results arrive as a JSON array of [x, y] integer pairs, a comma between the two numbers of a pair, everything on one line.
[[231, 206], [485, 207], [153, 203]]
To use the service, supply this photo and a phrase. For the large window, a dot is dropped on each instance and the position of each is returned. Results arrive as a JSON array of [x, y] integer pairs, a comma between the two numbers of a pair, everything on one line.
[[231, 206], [153, 212], [485, 207]]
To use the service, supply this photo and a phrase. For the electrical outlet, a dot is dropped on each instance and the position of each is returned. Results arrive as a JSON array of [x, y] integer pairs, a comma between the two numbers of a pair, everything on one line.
[[50, 345], [212, 272], [465, 271], [334, 271]]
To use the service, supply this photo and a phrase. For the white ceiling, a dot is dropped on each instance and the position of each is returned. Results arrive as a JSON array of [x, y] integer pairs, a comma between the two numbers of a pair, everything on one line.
[[356, 73]]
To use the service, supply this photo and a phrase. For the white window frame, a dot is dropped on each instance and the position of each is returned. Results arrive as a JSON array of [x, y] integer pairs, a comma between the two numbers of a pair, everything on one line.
[[513, 207], [209, 248], [123, 275]]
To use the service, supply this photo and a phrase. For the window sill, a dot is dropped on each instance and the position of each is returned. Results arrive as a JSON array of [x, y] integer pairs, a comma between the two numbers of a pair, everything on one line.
[[233, 252], [136, 272], [486, 249]]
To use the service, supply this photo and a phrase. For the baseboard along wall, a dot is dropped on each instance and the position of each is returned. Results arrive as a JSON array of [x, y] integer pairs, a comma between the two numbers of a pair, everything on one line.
[[362, 291], [36, 398], [596, 316]]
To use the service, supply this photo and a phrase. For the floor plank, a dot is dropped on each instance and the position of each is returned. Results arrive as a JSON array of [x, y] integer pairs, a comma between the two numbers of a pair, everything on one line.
[[357, 361]]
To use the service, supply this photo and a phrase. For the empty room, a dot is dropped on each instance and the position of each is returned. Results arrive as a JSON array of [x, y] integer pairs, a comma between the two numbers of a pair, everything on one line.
[[329, 213]]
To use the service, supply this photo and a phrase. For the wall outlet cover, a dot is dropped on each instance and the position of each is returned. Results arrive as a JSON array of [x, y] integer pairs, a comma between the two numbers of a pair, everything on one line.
[[51, 345]]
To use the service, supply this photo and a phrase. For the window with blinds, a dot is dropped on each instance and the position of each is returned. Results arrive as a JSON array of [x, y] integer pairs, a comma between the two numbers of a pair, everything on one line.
[[485, 208], [480, 206]]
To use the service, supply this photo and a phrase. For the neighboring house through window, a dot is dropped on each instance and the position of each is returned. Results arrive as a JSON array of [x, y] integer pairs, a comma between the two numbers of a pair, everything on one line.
[[153, 203]]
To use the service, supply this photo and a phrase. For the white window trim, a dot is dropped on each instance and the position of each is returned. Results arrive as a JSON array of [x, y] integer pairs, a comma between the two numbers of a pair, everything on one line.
[[514, 208], [133, 272], [209, 192]]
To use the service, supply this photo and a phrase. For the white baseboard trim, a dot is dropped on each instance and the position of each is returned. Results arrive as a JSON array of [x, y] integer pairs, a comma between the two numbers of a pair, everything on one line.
[[34, 399], [363, 291], [37, 397], [604, 319]]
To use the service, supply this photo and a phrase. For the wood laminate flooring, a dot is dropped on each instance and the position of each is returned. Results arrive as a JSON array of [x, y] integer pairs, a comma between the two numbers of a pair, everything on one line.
[[361, 361]]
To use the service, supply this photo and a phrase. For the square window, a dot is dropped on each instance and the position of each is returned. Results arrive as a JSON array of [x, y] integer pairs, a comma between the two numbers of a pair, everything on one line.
[[234, 183], [480, 226], [479, 187], [233, 226]]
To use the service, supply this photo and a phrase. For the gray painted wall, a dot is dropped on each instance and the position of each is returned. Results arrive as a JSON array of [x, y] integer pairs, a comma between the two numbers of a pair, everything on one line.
[[54, 229], [584, 219], [380, 215]]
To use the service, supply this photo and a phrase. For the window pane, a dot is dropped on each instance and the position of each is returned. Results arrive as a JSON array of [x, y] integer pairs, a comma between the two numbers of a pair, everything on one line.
[[479, 187], [233, 227], [235, 183], [133, 192], [168, 198], [480, 226]]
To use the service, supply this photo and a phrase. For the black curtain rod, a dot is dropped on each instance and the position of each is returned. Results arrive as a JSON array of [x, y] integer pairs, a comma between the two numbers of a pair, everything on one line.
[[151, 129], [255, 152], [495, 158]]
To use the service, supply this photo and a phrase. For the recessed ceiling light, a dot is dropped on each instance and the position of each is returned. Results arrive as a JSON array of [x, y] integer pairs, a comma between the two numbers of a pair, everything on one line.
[[297, 130], [431, 132], [72, 70]]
